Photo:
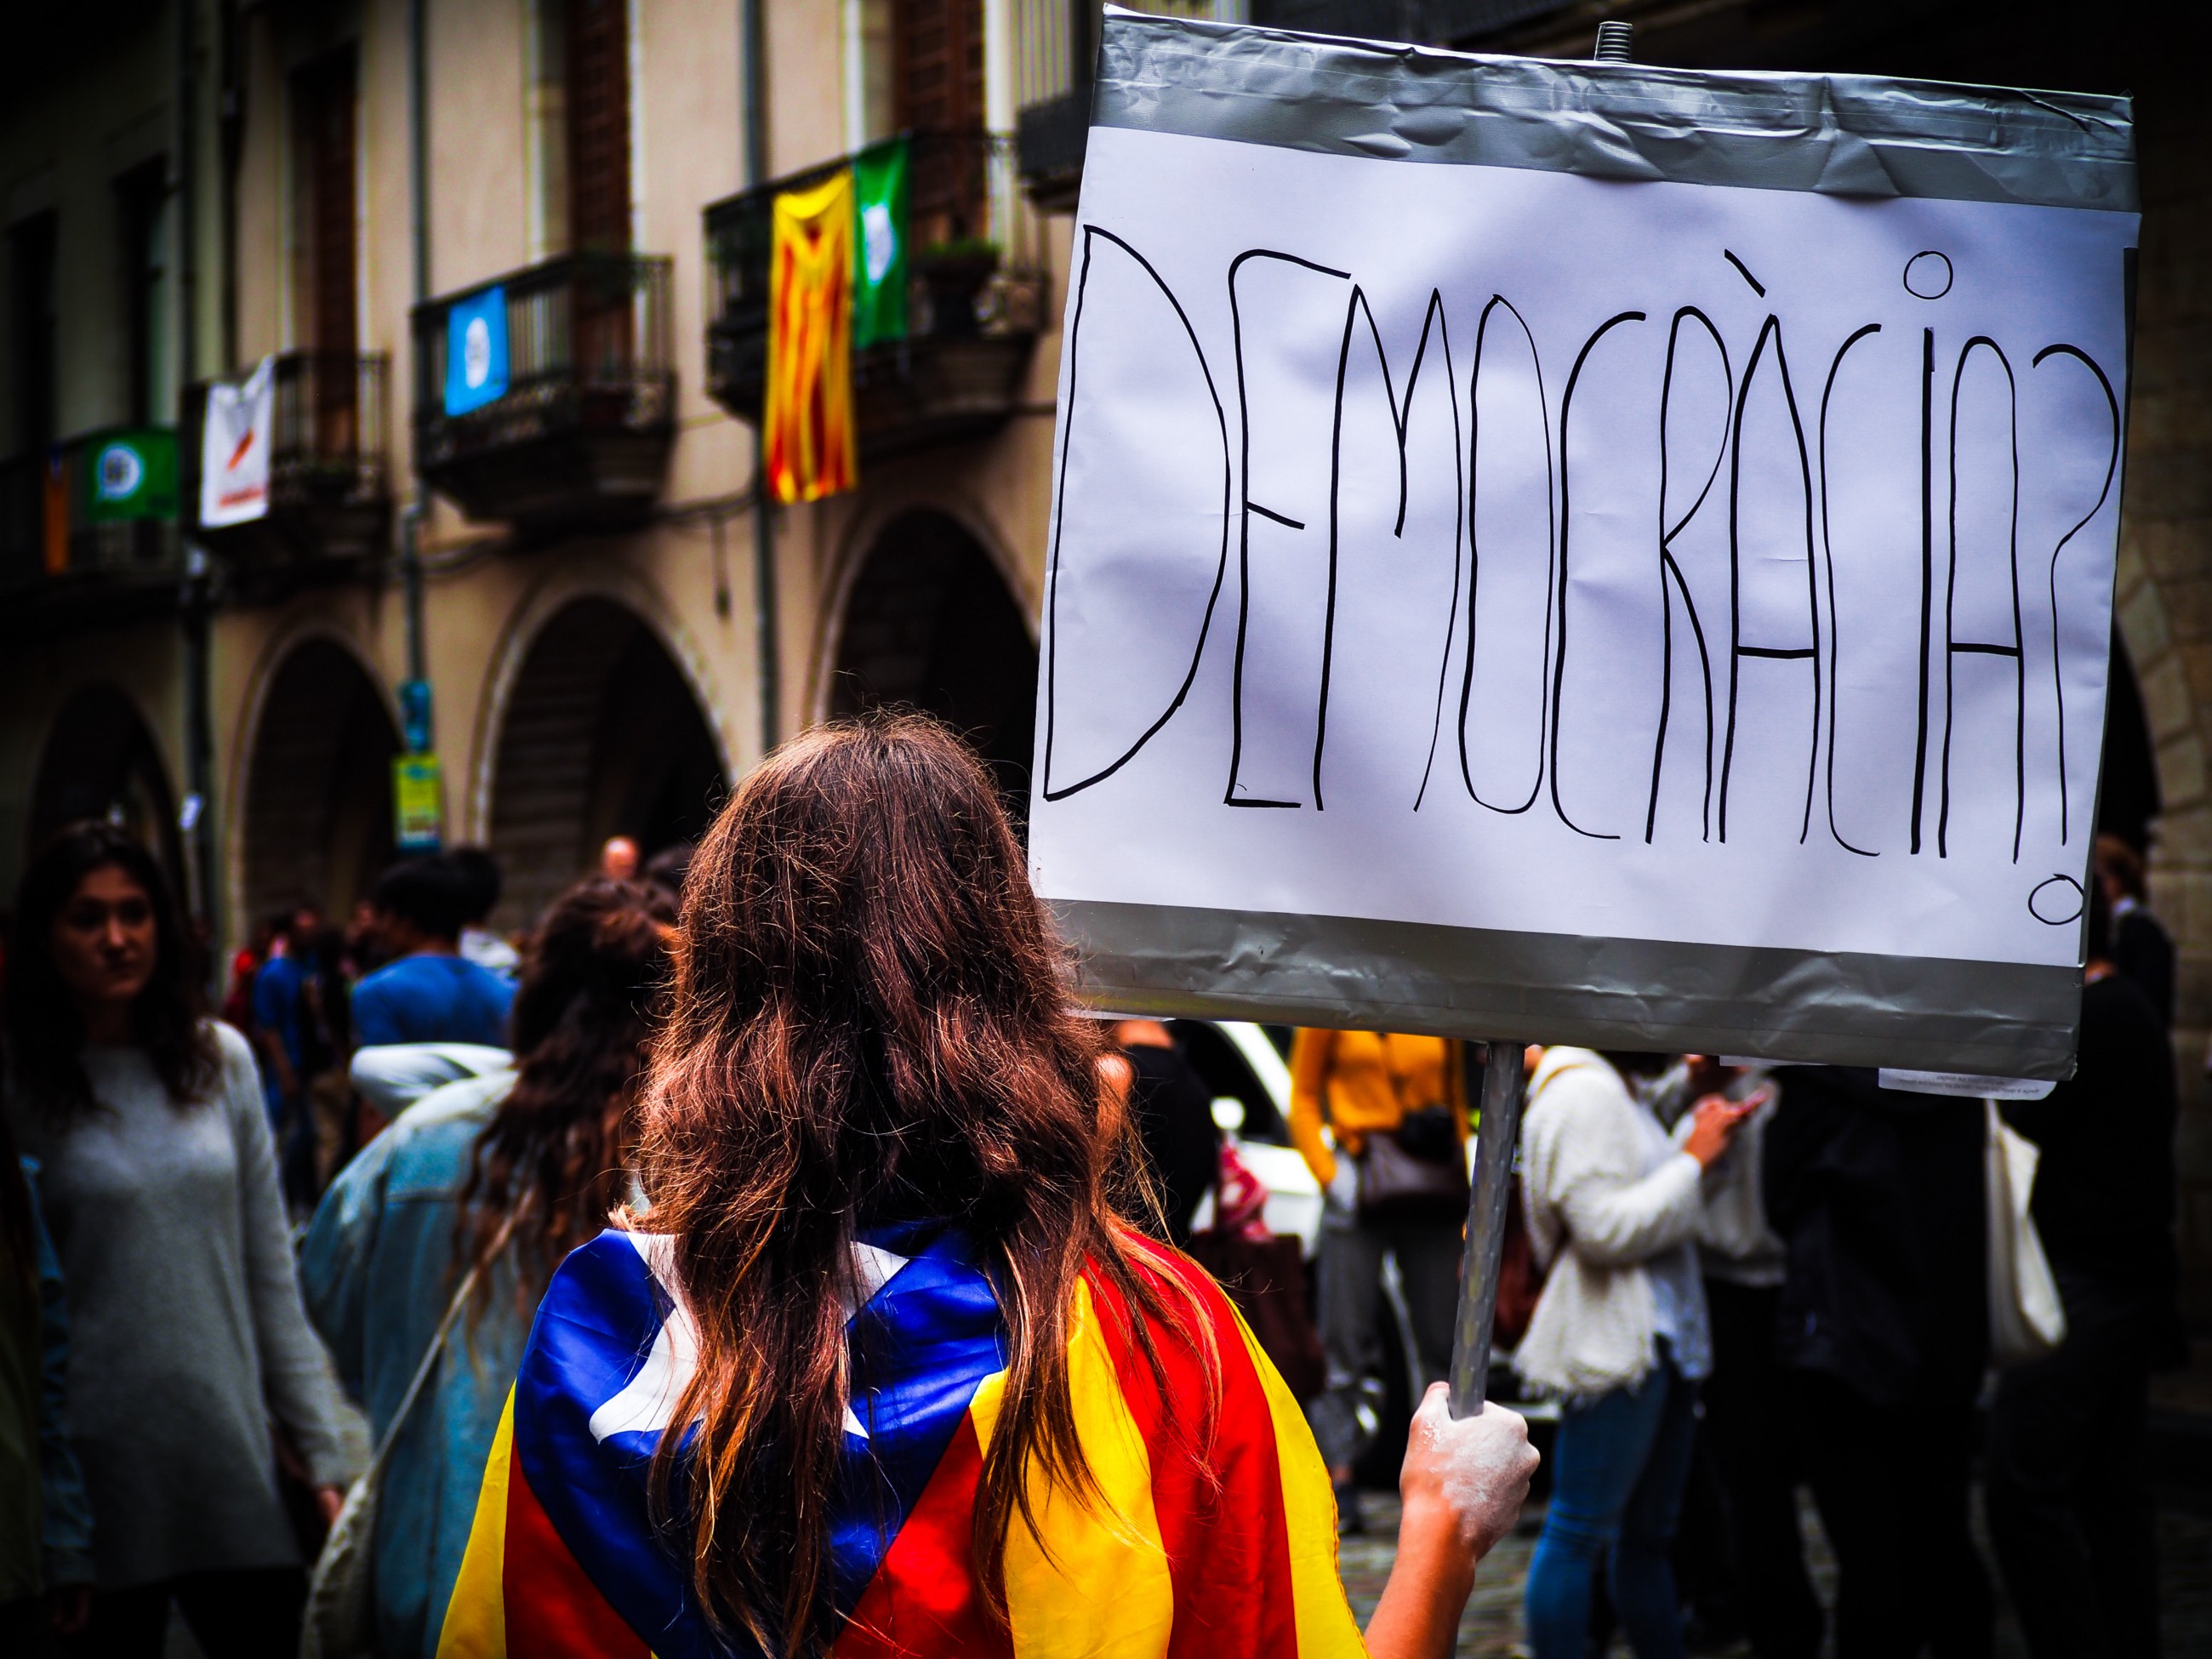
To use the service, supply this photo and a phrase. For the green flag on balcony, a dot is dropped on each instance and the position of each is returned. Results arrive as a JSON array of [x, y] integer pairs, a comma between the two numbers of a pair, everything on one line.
[[130, 473], [880, 193]]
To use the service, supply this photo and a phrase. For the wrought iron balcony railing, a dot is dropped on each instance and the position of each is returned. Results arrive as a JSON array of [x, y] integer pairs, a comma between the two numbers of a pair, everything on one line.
[[976, 297], [329, 470], [547, 396]]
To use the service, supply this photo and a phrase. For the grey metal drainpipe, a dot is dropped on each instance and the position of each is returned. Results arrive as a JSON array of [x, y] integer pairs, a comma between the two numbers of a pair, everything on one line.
[[200, 829], [753, 101], [418, 182]]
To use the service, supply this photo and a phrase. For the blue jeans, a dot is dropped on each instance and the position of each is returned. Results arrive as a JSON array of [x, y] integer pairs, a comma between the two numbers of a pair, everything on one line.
[[1617, 1471]]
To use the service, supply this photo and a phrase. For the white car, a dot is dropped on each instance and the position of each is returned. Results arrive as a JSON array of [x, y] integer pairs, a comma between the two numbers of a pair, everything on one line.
[[1250, 1083]]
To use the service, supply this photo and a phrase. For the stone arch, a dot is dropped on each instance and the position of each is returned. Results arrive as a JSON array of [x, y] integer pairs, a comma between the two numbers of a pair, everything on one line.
[[601, 733], [859, 540], [2129, 798], [474, 784], [101, 762], [929, 620], [2156, 670], [315, 824]]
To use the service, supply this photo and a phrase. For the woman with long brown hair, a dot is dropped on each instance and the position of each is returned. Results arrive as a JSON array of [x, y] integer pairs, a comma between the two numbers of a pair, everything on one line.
[[504, 1172], [931, 1392], [158, 1182]]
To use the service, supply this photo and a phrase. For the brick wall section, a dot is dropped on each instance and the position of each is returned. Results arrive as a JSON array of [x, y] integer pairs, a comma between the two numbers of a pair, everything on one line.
[[2165, 602]]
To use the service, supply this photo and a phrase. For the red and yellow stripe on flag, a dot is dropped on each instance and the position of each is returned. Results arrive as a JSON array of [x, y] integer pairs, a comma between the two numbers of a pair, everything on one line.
[[1203, 1539], [807, 433], [1188, 1550], [521, 1591]]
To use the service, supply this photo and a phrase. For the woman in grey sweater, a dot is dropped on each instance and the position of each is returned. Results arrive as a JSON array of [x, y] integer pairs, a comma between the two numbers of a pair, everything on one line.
[[159, 1185]]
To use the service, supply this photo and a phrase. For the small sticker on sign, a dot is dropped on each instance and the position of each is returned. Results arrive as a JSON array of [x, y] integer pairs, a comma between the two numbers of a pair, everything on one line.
[[1967, 1084]]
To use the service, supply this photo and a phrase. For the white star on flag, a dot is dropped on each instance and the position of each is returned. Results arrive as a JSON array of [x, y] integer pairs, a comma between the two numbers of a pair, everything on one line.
[[648, 1400]]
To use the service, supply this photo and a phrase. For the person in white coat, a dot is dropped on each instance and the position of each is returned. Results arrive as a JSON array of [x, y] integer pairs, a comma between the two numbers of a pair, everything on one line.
[[1620, 1337]]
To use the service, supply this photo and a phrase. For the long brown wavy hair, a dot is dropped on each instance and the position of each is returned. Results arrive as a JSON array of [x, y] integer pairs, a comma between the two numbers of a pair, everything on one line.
[[46, 1032], [871, 1022], [593, 976]]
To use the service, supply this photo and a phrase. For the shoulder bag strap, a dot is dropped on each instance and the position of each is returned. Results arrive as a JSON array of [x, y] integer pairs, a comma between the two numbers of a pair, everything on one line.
[[438, 1341]]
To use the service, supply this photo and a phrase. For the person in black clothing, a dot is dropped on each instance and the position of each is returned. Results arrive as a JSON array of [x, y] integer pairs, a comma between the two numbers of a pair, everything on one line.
[[1174, 1120], [2139, 946], [1883, 1327], [2070, 1512]]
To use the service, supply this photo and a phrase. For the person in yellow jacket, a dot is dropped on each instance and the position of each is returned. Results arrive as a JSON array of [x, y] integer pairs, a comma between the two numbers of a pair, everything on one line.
[[1360, 1085]]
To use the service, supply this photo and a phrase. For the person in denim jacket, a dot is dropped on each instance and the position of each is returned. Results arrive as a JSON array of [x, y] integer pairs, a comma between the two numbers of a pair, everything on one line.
[[45, 1524], [546, 1140]]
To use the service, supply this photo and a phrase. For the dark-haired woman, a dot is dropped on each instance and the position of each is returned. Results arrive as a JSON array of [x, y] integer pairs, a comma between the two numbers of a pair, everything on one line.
[[549, 1140], [935, 1395], [161, 1188]]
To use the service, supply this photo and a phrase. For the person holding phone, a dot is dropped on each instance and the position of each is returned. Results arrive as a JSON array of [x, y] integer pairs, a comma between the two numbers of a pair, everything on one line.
[[1620, 1337]]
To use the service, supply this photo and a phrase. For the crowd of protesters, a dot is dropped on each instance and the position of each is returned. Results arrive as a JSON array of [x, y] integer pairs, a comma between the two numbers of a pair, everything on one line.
[[1782, 1278], [364, 1175]]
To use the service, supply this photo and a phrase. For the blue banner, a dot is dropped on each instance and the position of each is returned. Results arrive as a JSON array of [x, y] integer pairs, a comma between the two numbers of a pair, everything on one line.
[[475, 351]]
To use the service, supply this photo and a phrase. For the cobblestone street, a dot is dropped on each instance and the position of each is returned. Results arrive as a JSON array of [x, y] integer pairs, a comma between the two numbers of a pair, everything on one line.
[[1492, 1628]]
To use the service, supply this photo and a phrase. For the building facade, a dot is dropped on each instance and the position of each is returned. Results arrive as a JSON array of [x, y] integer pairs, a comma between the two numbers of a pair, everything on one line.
[[568, 554], [573, 567]]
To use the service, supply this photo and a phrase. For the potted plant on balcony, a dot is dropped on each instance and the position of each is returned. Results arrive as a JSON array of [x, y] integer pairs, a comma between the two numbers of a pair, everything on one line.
[[951, 274]]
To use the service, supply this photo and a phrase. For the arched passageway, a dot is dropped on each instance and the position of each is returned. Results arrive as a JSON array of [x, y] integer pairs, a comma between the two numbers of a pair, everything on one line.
[[2128, 797], [318, 825], [602, 736], [930, 623], [101, 762]]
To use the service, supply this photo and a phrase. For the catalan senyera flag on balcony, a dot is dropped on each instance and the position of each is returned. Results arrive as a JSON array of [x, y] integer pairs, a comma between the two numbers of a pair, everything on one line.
[[808, 439], [1191, 1543]]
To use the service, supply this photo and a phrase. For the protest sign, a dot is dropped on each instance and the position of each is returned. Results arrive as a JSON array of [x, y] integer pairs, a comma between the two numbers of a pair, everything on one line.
[[1584, 552]]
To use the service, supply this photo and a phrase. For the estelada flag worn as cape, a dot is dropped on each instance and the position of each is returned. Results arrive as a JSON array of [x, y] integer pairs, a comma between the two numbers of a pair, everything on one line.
[[1210, 1551], [807, 428]]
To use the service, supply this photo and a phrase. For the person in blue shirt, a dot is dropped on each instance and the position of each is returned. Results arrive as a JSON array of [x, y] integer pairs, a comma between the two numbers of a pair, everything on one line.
[[287, 1044], [275, 1005], [547, 1140], [427, 991]]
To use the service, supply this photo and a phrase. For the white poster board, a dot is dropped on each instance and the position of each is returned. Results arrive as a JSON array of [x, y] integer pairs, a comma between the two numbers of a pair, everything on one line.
[[234, 445], [1503, 599]]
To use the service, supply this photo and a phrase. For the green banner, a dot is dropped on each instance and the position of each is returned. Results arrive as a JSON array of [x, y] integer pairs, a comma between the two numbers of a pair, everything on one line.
[[130, 473], [879, 196]]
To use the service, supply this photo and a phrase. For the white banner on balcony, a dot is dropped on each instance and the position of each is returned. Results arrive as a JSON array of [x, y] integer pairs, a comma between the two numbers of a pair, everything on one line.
[[1501, 599], [241, 422]]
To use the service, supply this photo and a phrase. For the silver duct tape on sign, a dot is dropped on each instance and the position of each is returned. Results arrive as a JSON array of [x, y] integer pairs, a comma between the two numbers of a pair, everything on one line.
[[1844, 134], [2001, 1018]]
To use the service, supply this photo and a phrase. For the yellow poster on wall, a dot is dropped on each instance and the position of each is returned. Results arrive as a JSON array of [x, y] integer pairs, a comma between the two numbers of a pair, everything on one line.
[[807, 429], [417, 803]]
